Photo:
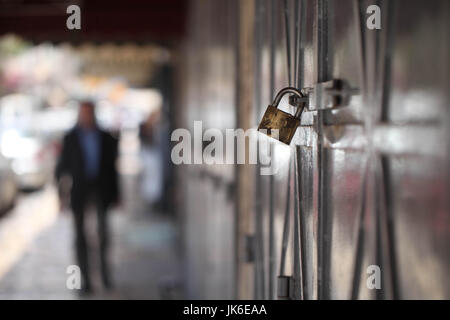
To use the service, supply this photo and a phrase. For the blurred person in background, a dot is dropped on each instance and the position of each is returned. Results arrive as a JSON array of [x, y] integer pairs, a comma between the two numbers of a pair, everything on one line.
[[152, 166], [88, 157]]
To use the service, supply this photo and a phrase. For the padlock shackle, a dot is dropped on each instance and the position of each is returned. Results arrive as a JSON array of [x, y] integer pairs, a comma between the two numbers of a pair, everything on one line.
[[284, 91]]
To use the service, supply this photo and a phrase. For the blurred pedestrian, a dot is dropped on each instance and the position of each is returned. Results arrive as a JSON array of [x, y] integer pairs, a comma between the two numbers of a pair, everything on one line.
[[88, 157], [152, 162]]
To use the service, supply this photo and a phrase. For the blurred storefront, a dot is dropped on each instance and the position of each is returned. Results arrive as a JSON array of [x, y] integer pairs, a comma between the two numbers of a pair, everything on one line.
[[122, 64]]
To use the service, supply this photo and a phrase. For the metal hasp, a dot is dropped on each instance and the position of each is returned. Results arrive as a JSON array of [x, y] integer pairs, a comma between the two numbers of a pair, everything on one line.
[[285, 287], [325, 95], [329, 95]]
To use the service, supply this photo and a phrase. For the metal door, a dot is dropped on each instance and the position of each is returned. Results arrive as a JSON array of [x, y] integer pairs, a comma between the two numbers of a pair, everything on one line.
[[361, 187], [366, 185]]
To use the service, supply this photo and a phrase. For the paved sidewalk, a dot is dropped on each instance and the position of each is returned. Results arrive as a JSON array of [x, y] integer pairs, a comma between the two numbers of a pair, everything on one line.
[[143, 252]]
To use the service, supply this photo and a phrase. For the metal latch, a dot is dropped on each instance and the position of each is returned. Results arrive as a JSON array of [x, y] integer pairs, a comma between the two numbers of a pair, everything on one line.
[[285, 287], [326, 95]]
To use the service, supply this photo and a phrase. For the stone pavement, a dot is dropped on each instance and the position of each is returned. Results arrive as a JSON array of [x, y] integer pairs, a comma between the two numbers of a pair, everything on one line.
[[143, 252]]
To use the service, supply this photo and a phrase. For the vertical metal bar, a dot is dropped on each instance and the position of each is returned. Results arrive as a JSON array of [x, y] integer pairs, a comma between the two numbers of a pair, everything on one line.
[[319, 154], [287, 224], [322, 74], [301, 23], [243, 172], [296, 40], [289, 72], [301, 47], [390, 227], [327, 221], [386, 183], [379, 243], [360, 12], [259, 214], [377, 52], [360, 239], [362, 32], [271, 178], [302, 222], [288, 41], [387, 60], [236, 268], [297, 274]]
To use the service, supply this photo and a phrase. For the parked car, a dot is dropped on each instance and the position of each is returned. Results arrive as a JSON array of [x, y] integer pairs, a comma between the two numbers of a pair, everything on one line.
[[8, 185], [32, 157]]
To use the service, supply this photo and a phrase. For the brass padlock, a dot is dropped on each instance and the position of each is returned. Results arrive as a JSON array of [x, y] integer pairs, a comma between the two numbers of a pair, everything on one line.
[[285, 123]]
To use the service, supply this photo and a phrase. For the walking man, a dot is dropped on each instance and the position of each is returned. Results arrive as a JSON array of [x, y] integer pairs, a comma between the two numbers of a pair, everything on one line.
[[88, 157]]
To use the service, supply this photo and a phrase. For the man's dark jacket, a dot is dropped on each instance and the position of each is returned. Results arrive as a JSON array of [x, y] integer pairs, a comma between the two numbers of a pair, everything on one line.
[[71, 162]]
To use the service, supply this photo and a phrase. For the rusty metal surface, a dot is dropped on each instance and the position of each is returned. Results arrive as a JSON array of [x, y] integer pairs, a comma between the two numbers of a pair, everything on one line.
[[279, 124]]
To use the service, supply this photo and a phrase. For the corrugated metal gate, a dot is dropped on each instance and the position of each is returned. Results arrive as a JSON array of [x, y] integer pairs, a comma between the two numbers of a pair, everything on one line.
[[366, 184]]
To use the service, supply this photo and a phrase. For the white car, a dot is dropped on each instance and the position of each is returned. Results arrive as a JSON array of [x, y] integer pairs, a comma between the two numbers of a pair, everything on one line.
[[32, 158], [8, 185]]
